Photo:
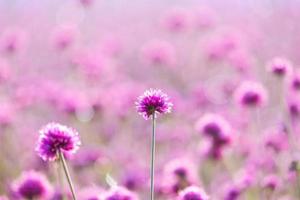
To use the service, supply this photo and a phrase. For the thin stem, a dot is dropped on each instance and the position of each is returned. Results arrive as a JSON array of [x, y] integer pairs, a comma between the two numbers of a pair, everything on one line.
[[64, 164], [152, 158], [59, 176]]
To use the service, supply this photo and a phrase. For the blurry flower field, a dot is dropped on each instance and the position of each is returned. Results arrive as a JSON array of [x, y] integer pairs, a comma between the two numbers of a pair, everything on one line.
[[76, 76]]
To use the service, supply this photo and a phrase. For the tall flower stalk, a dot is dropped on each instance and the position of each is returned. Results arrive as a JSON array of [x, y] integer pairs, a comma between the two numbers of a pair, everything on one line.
[[67, 173], [151, 103], [152, 158], [55, 140]]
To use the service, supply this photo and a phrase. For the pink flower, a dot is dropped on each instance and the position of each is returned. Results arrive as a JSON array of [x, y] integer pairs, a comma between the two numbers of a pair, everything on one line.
[[251, 94], [177, 20], [64, 36], [158, 52], [280, 67]]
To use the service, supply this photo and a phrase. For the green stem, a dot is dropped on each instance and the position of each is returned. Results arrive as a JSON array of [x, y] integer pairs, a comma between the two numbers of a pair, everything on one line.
[[64, 164], [152, 159]]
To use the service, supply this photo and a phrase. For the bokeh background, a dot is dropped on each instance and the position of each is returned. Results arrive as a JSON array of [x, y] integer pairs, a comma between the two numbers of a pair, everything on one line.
[[83, 63]]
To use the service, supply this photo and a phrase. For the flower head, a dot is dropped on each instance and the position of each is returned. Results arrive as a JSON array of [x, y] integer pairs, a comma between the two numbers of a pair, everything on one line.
[[295, 81], [159, 53], [177, 20], [193, 193], [214, 126], [55, 137], [251, 94], [153, 101], [32, 185], [280, 67], [270, 182]]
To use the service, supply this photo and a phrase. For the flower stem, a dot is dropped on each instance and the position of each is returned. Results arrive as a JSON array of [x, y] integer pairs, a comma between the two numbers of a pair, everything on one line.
[[59, 176], [152, 159], [64, 164]]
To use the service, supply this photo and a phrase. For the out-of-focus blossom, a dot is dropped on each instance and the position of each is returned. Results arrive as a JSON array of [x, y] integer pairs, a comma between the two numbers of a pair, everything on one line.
[[134, 179], [193, 193], [219, 48], [159, 53], [270, 182], [214, 126], [240, 60], [179, 173], [177, 20], [251, 94], [64, 36], [12, 40], [280, 67], [91, 63], [86, 3], [276, 140], [233, 192], [295, 81], [60, 194], [294, 109], [32, 185], [152, 102], [55, 137]]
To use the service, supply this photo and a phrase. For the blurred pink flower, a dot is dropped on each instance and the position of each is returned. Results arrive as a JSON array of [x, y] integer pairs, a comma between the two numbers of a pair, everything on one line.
[[158, 52], [251, 94], [177, 20]]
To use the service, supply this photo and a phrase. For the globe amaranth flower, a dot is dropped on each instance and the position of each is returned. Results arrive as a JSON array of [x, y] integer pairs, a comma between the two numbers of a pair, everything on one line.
[[179, 173], [55, 137], [251, 94], [270, 182], [294, 81], [119, 193], [158, 52], [153, 101], [218, 130], [32, 185], [280, 67], [214, 126], [193, 193], [233, 192]]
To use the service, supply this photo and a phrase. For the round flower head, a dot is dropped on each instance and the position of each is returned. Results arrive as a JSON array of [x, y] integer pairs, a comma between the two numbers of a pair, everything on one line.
[[294, 109], [251, 94], [153, 101], [280, 67], [233, 192], [177, 20], [159, 53], [119, 193], [214, 126], [55, 137], [32, 185], [193, 193], [295, 81], [270, 182], [181, 168]]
